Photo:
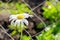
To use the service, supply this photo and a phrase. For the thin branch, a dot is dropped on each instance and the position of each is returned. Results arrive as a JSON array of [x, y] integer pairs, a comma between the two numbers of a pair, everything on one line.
[[6, 32], [38, 6], [34, 13], [32, 9], [37, 34], [28, 33]]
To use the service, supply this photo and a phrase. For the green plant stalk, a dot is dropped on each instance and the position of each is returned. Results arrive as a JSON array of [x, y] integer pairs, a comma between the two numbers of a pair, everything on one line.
[[56, 8], [29, 34], [21, 36]]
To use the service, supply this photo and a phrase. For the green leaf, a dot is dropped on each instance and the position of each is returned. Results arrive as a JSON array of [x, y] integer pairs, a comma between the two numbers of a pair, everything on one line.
[[26, 37], [13, 33]]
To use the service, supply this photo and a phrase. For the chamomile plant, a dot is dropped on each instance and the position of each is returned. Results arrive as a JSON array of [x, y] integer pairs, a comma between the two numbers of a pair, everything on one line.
[[21, 8], [14, 8], [19, 23], [45, 36], [52, 11]]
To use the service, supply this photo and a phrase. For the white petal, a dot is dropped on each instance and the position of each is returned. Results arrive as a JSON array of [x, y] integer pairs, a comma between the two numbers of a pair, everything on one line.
[[25, 21], [17, 22], [12, 22], [26, 15], [12, 17], [22, 24]]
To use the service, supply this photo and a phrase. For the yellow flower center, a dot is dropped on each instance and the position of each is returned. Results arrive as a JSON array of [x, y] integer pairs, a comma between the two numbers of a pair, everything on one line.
[[20, 16]]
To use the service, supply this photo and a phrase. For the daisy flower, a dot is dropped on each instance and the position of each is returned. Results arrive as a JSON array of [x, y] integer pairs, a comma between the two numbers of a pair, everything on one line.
[[19, 18]]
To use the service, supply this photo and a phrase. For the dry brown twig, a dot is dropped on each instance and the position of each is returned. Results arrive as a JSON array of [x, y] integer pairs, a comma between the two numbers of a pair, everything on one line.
[[34, 13], [6, 32], [32, 9]]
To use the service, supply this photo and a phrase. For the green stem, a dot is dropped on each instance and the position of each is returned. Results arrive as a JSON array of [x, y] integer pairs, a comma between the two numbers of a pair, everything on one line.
[[56, 9], [21, 36], [21, 31]]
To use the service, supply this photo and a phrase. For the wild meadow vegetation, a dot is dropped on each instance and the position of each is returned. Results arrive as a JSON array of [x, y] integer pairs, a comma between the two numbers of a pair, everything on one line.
[[24, 25]]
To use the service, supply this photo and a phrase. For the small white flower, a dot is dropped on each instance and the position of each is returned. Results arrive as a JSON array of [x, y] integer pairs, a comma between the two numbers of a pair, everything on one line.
[[49, 6], [57, 36], [47, 28], [19, 18]]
